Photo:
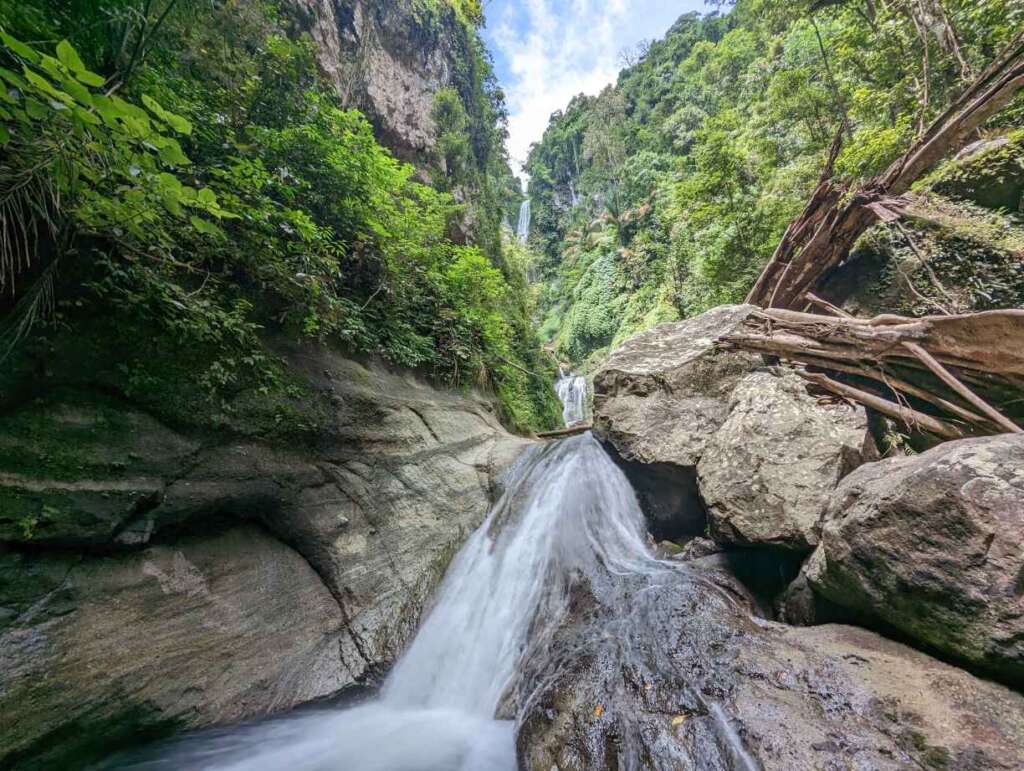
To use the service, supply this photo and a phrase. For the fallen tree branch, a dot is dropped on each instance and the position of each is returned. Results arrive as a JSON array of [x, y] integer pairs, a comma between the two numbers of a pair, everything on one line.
[[835, 310], [898, 384], [834, 218], [908, 415], [935, 356], [944, 375]]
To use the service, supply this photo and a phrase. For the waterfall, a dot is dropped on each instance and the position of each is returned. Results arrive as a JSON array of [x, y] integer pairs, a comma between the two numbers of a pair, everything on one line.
[[567, 511], [572, 391], [574, 197], [523, 228]]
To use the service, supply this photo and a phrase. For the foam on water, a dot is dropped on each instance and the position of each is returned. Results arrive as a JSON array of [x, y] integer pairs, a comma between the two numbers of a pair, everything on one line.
[[567, 511], [572, 392]]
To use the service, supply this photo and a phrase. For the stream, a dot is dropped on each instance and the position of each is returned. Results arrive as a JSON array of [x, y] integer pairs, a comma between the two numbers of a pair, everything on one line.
[[568, 511]]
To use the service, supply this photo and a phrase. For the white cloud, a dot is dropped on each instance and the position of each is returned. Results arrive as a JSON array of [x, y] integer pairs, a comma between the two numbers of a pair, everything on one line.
[[554, 50]]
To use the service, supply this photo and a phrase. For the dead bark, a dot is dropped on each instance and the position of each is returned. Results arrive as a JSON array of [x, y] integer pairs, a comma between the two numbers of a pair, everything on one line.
[[564, 432], [825, 305], [897, 384], [946, 377], [834, 218], [910, 417], [960, 366]]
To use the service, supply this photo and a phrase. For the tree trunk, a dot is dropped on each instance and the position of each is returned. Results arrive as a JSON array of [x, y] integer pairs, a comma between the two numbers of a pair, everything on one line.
[[824, 234]]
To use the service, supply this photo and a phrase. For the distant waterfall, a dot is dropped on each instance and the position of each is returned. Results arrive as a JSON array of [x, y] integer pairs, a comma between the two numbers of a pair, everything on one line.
[[523, 228], [572, 391]]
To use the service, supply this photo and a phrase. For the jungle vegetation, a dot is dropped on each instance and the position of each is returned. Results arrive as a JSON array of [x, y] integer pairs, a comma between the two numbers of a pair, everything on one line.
[[666, 194], [177, 178]]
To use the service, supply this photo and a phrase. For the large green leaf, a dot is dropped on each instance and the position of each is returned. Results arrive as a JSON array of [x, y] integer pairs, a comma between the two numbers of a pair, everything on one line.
[[77, 90], [171, 154], [13, 78], [69, 56], [176, 122], [27, 53], [205, 227], [43, 85]]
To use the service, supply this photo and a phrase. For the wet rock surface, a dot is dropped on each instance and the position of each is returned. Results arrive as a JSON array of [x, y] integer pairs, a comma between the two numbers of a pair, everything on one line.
[[933, 545], [263, 574], [671, 672]]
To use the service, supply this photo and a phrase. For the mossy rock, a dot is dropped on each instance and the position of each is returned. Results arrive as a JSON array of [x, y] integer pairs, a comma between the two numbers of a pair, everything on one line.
[[989, 172]]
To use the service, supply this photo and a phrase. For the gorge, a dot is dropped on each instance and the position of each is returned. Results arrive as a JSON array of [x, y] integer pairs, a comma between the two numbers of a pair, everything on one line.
[[325, 444]]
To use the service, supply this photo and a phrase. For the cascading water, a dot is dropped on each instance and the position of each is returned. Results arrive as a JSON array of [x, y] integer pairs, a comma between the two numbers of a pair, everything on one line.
[[567, 512], [572, 391], [523, 227]]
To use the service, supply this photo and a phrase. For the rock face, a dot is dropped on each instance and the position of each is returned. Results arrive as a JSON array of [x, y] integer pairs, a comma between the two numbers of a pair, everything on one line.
[[710, 436], [388, 60], [767, 473], [674, 674], [262, 574], [210, 630], [934, 546], [662, 395]]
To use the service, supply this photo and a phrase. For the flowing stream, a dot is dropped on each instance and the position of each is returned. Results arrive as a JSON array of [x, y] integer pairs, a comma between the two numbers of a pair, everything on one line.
[[572, 391], [567, 512]]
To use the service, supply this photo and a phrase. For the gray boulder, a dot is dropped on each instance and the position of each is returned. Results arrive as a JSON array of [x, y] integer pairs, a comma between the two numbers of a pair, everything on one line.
[[767, 473], [300, 566], [712, 438], [661, 396], [933, 545]]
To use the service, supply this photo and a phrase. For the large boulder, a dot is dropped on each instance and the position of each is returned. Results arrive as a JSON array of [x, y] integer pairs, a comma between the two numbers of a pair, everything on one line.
[[673, 673], [156, 577], [712, 438], [96, 651], [767, 473], [933, 545], [661, 396]]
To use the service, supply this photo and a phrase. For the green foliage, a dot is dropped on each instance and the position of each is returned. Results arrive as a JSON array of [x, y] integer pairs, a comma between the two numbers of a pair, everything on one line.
[[706, 149], [222, 195], [453, 150]]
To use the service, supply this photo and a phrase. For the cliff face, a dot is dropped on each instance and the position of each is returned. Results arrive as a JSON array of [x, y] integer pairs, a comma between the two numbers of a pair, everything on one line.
[[155, 578], [388, 60]]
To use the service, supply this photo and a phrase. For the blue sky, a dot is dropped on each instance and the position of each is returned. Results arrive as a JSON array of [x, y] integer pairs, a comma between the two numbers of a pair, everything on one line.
[[547, 51]]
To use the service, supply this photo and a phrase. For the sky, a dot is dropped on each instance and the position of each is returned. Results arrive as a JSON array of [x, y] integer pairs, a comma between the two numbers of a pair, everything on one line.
[[547, 51]]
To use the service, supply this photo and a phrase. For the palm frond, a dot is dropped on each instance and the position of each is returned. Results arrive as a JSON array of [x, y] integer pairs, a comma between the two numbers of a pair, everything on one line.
[[36, 303], [30, 203]]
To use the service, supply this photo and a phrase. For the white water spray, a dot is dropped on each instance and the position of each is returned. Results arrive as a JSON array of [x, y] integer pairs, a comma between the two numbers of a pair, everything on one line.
[[572, 392], [523, 227], [568, 510]]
